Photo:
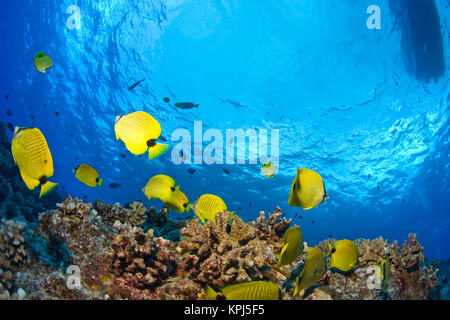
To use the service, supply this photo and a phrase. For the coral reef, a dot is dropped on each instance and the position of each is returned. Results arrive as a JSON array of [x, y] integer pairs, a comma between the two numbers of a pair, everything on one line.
[[214, 255], [13, 258], [271, 230], [143, 265], [85, 236], [135, 215], [16, 201], [135, 253]]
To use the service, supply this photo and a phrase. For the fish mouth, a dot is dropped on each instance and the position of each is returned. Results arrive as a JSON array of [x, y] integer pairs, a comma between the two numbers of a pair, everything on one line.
[[151, 143], [18, 130], [43, 180], [118, 118]]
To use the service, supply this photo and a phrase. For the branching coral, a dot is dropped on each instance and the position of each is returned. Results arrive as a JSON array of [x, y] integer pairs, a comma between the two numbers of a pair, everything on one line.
[[410, 256], [143, 265], [271, 230], [218, 257]]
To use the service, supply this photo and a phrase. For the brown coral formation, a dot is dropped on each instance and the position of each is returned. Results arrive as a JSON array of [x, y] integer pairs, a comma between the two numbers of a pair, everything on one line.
[[128, 259], [410, 256], [13, 258], [271, 230], [85, 236], [143, 265], [219, 255], [409, 279], [134, 215]]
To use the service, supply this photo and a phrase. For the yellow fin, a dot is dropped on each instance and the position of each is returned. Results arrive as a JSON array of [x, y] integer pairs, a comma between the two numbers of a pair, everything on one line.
[[281, 254], [157, 150], [137, 149], [30, 182], [201, 218], [210, 293], [46, 188], [329, 248], [307, 208], [100, 182]]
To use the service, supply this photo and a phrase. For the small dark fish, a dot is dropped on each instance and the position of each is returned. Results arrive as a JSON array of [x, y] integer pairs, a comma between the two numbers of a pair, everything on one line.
[[300, 217], [7, 96], [32, 117], [134, 85], [10, 127], [44, 104], [71, 134], [85, 196], [166, 99], [226, 170], [63, 188], [369, 176], [313, 221], [330, 236], [162, 139], [378, 187], [114, 185], [8, 112], [403, 200], [186, 105], [56, 113], [445, 281], [240, 208], [122, 155], [31, 108], [191, 171], [76, 158], [250, 204]]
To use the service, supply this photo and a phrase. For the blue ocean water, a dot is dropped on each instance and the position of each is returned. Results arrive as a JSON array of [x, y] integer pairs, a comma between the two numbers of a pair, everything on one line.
[[366, 108]]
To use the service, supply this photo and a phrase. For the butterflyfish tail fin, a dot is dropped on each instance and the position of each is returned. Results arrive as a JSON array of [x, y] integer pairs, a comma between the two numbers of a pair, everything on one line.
[[210, 293], [157, 150], [46, 188]]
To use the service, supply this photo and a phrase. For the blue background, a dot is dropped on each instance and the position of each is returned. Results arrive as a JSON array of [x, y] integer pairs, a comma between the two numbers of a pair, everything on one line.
[[343, 97]]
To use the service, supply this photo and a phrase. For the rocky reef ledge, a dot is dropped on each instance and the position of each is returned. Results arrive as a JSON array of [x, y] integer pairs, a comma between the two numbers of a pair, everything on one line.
[[102, 251]]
